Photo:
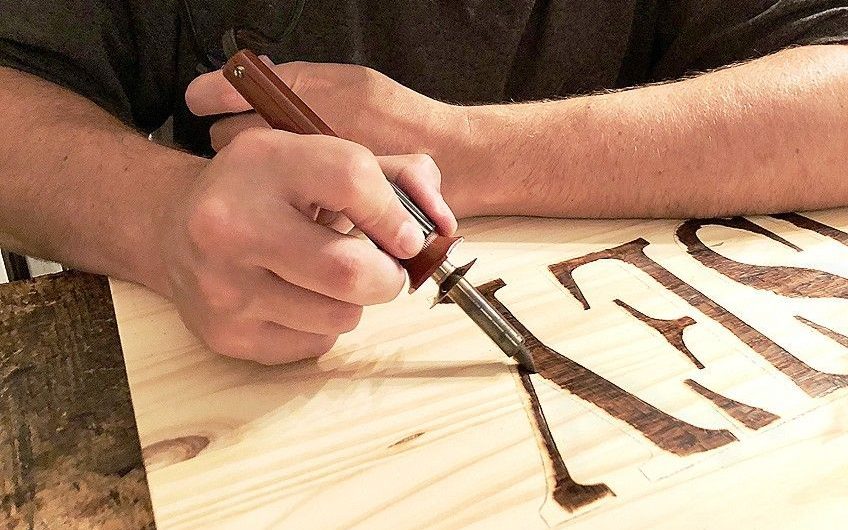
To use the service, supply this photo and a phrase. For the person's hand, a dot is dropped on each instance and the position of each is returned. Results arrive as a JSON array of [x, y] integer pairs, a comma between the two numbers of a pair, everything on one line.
[[358, 103], [255, 277], [362, 105]]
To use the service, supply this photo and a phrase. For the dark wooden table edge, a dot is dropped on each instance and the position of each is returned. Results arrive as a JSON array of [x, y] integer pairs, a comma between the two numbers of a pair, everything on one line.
[[69, 447]]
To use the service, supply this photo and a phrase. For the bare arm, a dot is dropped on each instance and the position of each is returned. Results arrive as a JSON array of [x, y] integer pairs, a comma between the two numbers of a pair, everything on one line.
[[80, 187], [231, 241], [765, 136]]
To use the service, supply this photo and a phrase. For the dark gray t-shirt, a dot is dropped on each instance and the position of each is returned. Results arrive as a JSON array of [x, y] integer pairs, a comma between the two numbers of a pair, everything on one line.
[[136, 57]]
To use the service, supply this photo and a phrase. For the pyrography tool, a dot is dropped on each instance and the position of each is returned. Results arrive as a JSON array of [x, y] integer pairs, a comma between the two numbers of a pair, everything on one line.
[[283, 109]]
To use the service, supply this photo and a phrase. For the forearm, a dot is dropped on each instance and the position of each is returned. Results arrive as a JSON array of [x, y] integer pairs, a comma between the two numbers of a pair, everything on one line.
[[759, 137], [78, 186]]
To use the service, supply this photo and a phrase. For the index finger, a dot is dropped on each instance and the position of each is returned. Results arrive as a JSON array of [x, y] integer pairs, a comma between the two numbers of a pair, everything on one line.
[[335, 175], [360, 190]]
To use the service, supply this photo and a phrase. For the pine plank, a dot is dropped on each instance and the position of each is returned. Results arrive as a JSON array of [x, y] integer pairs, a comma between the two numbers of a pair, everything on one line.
[[414, 420]]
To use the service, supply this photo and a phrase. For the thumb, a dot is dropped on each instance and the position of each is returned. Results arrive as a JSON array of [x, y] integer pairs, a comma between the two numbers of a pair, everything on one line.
[[211, 93]]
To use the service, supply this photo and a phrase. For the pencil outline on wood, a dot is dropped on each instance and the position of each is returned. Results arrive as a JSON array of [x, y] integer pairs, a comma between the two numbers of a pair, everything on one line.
[[671, 330], [814, 382], [752, 417], [564, 490], [666, 431], [793, 282]]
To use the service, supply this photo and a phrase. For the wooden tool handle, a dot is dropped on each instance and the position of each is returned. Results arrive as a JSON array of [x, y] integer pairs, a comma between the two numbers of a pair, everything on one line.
[[272, 98]]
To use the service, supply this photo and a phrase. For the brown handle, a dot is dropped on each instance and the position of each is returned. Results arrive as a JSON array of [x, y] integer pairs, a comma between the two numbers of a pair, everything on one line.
[[271, 97], [278, 105]]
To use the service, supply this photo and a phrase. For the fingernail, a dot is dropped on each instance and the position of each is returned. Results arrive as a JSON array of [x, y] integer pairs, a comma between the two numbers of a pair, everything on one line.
[[411, 238]]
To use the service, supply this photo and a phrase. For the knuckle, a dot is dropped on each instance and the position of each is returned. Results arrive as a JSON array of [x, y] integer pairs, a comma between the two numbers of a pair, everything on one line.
[[375, 215], [319, 345], [255, 142], [424, 165], [344, 317], [357, 163], [355, 279], [351, 275], [214, 224], [419, 168], [297, 74], [219, 295], [226, 341]]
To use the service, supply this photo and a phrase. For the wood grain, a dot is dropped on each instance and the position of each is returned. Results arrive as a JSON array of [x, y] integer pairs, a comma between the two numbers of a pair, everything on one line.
[[814, 382], [69, 452], [665, 431], [565, 491], [671, 330], [415, 420], [783, 280], [751, 417]]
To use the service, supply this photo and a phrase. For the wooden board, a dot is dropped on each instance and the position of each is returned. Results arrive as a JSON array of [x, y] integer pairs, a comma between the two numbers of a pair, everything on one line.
[[69, 453], [693, 377]]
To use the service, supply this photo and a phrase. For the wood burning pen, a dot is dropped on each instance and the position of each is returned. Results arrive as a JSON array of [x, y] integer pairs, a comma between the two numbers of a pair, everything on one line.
[[283, 109]]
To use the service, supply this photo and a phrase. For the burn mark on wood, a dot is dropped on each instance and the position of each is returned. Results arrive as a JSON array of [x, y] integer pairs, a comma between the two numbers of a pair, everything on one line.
[[667, 432], [173, 451], [754, 418], [827, 332], [671, 330], [794, 282], [567, 492], [814, 382], [809, 224], [405, 440]]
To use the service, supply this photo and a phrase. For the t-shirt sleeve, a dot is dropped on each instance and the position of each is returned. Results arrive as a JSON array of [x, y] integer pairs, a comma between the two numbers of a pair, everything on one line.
[[89, 47], [702, 35]]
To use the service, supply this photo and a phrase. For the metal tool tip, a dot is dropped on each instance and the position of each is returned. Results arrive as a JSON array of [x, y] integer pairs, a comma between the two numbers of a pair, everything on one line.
[[525, 359]]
